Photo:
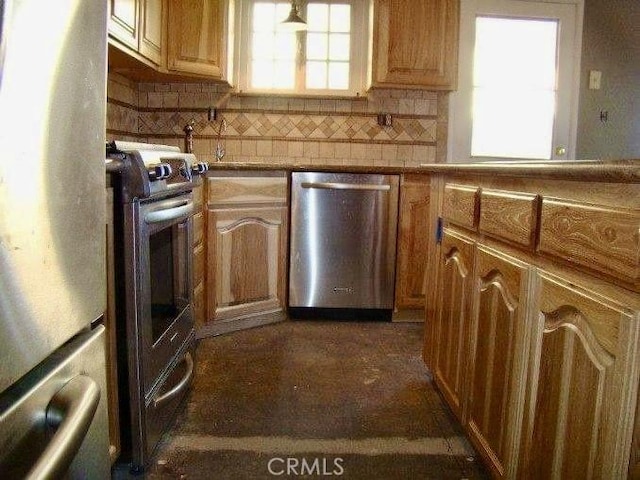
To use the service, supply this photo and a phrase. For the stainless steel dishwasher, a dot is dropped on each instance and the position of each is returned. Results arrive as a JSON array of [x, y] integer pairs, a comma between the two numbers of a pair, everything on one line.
[[343, 245]]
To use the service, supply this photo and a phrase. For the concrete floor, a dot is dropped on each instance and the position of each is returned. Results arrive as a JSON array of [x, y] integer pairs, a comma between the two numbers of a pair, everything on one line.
[[315, 399]]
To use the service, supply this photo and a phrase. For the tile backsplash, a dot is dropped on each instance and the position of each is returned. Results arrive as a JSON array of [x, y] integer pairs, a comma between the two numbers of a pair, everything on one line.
[[282, 130]]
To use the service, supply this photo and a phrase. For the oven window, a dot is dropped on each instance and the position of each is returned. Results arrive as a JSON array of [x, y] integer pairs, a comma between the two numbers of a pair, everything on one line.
[[167, 268]]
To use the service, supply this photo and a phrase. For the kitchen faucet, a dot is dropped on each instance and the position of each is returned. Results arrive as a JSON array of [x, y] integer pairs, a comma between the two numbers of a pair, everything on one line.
[[219, 151]]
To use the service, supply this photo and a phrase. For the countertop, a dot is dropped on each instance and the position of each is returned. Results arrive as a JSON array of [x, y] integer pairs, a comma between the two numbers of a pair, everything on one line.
[[616, 171]]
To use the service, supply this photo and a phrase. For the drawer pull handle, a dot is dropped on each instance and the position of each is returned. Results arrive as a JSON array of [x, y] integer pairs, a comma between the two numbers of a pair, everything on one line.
[[180, 386]]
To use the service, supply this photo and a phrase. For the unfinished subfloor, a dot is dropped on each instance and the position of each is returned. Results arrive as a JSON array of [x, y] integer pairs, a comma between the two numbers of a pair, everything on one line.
[[314, 399]]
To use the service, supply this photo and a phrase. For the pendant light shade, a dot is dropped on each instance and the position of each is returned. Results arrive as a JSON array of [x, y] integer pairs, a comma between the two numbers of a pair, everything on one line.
[[294, 22]]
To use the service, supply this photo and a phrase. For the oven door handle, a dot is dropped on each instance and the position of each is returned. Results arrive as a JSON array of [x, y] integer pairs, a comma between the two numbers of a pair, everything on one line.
[[177, 210], [180, 386]]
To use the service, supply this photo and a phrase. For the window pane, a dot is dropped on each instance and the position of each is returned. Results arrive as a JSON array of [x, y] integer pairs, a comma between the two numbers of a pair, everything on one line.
[[318, 17], [514, 87], [339, 46], [285, 46], [284, 74], [263, 14], [262, 45], [262, 74], [317, 46], [339, 75], [340, 18], [512, 123], [515, 51], [316, 75]]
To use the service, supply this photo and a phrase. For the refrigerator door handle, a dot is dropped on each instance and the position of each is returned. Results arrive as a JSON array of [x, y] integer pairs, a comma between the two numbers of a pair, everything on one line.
[[71, 411]]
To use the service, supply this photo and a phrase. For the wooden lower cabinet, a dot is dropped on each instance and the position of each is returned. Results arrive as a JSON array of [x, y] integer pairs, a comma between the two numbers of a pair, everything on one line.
[[453, 319], [546, 381], [412, 243], [583, 384], [246, 261], [199, 257], [498, 351]]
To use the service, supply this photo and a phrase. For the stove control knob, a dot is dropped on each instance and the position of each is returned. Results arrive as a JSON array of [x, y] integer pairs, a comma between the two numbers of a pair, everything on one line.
[[199, 168], [159, 171]]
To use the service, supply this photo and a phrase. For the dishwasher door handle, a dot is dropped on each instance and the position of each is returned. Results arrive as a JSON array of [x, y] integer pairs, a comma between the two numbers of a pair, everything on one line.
[[346, 186]]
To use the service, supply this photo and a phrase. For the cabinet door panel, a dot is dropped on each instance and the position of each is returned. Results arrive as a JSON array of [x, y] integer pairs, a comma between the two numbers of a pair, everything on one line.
[[123, 21], [151, 28], [412, 242], [454, 319], [247, 252], [415, 43], [582, 390], [196, 32], [498, 358]]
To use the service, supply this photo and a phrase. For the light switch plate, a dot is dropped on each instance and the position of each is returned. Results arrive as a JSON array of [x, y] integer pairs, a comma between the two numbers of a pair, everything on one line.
[[595, 78]]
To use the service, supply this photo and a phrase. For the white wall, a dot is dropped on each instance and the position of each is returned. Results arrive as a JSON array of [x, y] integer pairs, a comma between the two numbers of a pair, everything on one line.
[[611, 44]]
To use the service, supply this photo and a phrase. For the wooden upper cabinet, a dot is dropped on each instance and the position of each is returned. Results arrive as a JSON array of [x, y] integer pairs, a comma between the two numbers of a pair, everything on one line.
[[196, 33], [151, 30], [412, 242], [123, 21], [415, 44], [138, 25], [498, 358], [583, 387], [453, 319]]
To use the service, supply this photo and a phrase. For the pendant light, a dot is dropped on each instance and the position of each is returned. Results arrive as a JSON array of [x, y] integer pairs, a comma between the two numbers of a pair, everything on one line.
[[294, 22]]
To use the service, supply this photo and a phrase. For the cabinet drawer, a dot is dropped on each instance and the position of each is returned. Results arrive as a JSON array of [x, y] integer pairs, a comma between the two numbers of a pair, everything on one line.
[[198, 228], [198, 264], [255, 190], [509, 216], [460, 205], [601, 238]]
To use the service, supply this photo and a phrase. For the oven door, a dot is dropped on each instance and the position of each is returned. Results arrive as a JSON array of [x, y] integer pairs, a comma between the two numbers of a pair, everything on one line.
[[165, 315]]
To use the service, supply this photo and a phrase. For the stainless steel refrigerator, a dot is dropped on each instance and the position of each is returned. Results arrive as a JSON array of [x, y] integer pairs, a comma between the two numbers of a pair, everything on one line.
[[53, 420]]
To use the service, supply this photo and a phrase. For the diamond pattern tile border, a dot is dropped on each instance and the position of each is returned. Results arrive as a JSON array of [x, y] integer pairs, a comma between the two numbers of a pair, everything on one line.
[[293, 126]]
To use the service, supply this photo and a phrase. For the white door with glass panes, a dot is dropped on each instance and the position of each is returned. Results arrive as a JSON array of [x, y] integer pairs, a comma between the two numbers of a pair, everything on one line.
[[518, 82], [328, 58]]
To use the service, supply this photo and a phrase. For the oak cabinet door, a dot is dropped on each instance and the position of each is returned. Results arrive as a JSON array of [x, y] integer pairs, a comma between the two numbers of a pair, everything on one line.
[[583, 384], [123, 21], [139, 26], [246, 261], [412, 242], [152, 30], [498, 358], [454, 318], [196, 29], [415, 43]]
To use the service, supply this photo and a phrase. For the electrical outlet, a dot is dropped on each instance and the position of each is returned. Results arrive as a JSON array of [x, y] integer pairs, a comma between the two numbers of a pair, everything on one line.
[[385, 119]]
